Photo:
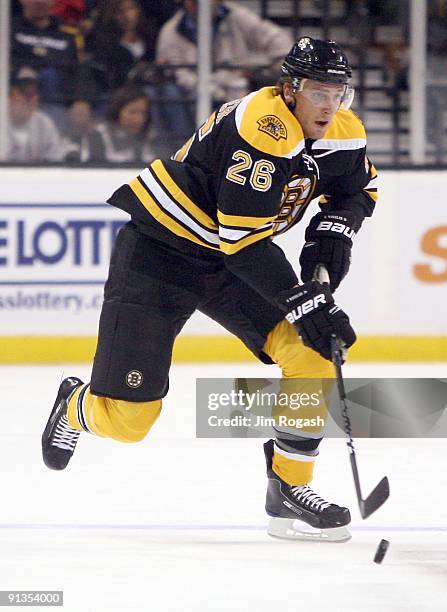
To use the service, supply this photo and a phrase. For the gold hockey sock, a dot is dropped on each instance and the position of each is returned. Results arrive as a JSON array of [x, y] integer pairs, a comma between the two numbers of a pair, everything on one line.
[[293, 468], [111, 418], [303, 370]]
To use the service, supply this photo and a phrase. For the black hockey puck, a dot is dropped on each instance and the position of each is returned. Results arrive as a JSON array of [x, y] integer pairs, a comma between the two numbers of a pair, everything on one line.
[[381, 551]]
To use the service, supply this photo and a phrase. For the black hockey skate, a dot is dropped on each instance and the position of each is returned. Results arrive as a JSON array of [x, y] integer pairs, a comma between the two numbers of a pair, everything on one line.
[[297, 512], [59, 438]]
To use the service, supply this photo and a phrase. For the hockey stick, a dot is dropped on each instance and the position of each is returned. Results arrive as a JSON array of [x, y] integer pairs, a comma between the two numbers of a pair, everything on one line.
[[382, 491]]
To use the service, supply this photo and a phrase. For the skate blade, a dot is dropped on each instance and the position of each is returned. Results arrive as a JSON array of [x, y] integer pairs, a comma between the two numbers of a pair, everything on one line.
[[293, 529]]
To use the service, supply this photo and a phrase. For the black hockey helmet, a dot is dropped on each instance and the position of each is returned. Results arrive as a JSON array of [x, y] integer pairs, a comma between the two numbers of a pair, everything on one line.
[[320, 60]]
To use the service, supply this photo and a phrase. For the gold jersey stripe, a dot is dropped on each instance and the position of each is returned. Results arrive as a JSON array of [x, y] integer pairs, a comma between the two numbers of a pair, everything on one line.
[[372, 194], [207, 126], [373, 191], [160, 216], [175, 192], [184, 150], [239, 221], [231, 249]]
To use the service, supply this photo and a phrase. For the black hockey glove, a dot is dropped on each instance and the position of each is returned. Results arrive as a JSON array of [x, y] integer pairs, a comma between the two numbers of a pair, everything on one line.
[[311, 308], [329, 241]]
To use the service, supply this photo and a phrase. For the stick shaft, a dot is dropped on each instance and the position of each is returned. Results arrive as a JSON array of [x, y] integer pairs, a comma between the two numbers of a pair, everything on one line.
[[382, 491]]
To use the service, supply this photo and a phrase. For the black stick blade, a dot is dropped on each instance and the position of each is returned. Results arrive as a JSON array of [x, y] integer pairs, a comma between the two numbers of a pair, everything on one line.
[[375, 499]]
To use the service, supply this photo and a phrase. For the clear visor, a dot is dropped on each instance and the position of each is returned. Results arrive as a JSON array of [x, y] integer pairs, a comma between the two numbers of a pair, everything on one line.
[[339, 97]]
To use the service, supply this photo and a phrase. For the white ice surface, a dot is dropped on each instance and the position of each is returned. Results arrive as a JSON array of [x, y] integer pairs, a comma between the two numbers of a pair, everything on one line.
[[177, 524]]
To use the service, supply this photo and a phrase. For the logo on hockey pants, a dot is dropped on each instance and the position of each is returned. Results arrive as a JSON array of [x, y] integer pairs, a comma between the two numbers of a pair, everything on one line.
[[134, 379]]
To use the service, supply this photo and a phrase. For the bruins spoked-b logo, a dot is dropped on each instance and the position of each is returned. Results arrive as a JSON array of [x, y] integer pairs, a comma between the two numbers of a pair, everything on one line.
[[134, 379], [273, 126]]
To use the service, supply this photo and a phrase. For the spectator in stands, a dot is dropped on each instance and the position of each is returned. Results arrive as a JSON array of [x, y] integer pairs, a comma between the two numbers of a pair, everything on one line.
[[32, 135], [240, 38], [159, 11], [382, 26], [388, 21], [80, 14], [124, 136], [77, 134], [123, 42], [55, 51], [122, 46]]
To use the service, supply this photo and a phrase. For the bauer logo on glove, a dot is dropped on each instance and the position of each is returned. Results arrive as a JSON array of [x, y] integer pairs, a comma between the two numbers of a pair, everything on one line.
[[305, 307], [316, 317], [337, 227]]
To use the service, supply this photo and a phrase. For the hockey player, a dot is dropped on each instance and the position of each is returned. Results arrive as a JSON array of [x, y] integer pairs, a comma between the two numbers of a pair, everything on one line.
[[200, 237]]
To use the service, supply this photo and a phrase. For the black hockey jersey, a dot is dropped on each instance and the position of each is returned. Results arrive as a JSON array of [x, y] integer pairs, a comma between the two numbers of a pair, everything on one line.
[[248, 174]]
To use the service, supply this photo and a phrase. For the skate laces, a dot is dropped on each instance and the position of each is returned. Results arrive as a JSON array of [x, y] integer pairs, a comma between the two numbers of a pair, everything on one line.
[[309, 498], [65, 436]]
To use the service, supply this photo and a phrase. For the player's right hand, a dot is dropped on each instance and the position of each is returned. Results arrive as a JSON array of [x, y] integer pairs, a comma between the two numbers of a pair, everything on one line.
[[311, 308]]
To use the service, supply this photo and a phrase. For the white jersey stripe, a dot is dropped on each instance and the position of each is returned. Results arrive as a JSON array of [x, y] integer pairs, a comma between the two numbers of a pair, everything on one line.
[[174, 209], [340, 145], [373, 183], [235, 235]]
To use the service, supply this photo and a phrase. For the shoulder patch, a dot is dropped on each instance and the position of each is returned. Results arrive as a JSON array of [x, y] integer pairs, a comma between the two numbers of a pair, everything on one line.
[[273, 126], [264, 121]]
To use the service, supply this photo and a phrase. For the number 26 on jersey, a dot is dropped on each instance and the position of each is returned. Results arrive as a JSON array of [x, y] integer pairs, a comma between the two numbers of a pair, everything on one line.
[[260, 172]]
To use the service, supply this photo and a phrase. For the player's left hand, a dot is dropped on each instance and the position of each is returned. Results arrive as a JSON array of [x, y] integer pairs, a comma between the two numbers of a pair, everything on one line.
[[329, 242], [311, 309]]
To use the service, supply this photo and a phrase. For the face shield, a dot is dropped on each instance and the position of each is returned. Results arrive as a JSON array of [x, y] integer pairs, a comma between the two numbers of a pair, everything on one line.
[[324, 95]]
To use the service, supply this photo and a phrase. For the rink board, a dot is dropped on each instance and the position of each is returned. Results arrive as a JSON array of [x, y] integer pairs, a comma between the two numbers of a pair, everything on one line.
[[56, 233]]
